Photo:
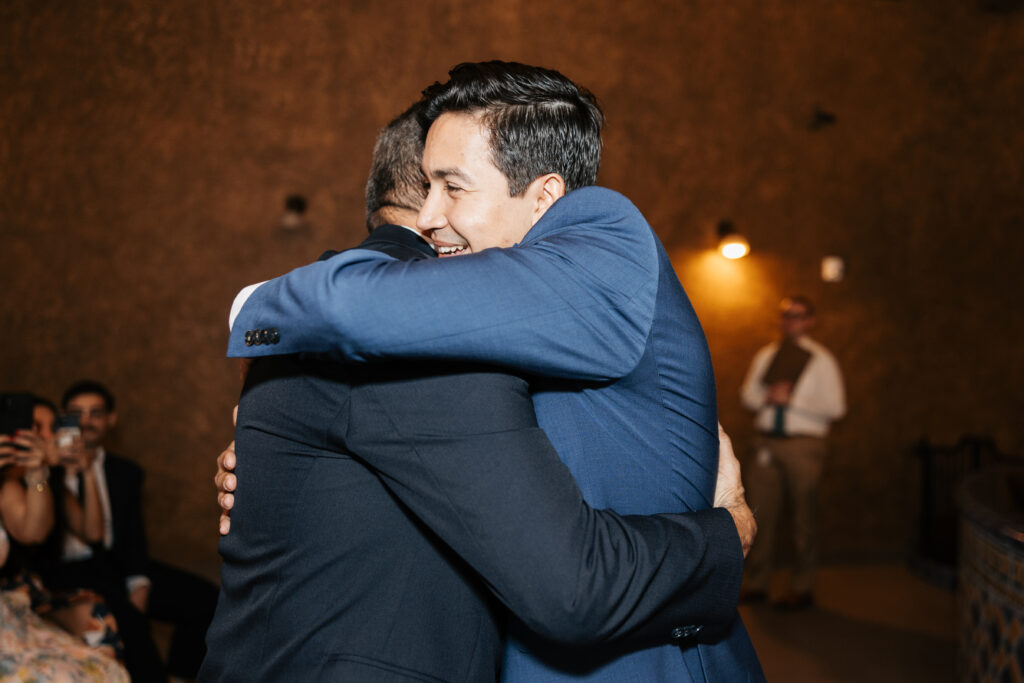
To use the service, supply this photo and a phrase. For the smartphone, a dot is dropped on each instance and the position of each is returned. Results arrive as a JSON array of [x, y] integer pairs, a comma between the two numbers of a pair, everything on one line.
[[15, 413], [67, 432]]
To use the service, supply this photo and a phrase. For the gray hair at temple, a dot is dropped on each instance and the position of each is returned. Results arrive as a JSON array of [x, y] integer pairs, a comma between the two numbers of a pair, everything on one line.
[[395, 177]]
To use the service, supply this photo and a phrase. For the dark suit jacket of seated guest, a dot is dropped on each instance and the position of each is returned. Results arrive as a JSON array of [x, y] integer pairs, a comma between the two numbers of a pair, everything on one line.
[[370, 497]]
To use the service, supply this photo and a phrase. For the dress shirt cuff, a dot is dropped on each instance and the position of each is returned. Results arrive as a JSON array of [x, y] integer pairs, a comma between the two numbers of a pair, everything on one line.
[[240, 299]]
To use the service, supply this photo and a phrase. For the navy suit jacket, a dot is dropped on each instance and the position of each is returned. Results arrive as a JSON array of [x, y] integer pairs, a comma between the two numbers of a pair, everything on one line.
[[124, 487], [368, 497], [590, 302]]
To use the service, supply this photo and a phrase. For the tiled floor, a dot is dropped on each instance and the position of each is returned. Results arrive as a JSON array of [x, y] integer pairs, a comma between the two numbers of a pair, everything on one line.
[[871, 623]]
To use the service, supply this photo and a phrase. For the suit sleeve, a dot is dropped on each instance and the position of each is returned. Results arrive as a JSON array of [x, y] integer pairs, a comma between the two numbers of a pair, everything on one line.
[[477, 471], [574, 300], [129, 527]]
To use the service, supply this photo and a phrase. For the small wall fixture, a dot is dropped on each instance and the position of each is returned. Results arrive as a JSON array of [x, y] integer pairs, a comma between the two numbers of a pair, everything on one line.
[[731, 244], [832, 269], [293, 220]]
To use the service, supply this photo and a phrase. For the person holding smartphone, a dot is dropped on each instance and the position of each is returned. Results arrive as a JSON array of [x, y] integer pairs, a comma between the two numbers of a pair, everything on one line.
[[28, 513], [26, 504], [80, 515]]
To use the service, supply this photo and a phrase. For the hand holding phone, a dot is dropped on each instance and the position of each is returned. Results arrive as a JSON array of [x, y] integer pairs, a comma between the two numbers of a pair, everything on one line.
[[69, 441], [31, 453], [8, 451], [15, 414]]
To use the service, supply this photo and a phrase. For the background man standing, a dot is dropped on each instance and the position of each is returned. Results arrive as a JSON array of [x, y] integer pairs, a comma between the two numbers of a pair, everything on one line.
[[795, 388]]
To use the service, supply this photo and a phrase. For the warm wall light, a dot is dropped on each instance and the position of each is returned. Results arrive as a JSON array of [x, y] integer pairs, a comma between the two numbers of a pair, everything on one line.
[[833, 268], [731, 245]]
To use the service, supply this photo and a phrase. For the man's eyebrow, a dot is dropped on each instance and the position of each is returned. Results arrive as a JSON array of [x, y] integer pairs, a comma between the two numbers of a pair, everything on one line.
[[446, 173]]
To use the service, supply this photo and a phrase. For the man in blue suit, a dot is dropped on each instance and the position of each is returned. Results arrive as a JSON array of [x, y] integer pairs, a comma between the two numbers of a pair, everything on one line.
[[580, 294]]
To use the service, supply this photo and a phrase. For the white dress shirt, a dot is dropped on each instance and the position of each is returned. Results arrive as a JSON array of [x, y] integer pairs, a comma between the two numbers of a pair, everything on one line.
[[817, 399], [74, 547]]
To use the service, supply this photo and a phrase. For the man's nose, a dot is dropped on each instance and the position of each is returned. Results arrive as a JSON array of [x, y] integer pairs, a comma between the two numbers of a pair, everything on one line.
[[431, 216]]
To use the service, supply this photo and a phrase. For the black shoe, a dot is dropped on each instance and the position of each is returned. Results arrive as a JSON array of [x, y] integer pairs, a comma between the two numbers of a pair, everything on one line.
[[793, 602]]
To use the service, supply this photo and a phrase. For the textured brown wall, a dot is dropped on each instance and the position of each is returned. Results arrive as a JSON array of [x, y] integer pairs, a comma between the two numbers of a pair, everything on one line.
[[147, 148]]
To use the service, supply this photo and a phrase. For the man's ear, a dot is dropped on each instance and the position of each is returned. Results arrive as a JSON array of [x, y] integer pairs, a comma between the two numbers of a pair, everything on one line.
[[546, 190], [111, 419]]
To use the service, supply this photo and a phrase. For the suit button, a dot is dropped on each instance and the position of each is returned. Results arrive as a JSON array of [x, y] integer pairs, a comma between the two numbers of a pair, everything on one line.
[[686, 631], [272, 335], [249, 341]]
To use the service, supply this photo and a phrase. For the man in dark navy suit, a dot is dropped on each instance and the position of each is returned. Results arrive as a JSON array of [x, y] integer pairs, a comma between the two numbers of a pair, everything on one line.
[[372, 496]]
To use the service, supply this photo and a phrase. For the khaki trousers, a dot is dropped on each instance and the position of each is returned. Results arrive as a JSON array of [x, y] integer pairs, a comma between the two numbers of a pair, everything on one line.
[[784, 468]]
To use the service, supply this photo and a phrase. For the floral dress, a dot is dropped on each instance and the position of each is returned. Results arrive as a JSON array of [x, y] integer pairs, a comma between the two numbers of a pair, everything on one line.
[[32, 649]]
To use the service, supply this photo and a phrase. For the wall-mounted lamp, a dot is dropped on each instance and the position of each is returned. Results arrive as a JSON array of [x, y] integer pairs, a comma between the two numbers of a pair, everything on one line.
[[293, 220], [731, 244], [833, 268]]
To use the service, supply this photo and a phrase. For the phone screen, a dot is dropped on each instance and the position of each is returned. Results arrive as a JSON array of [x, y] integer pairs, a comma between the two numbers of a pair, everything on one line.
[[67, 432], [15, 412]]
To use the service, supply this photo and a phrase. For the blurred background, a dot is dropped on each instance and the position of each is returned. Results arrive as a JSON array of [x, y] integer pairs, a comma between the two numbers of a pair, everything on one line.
[[148, 151]]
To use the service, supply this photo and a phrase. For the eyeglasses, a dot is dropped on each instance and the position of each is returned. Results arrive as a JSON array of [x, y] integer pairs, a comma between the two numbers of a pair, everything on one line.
[[93, 412]]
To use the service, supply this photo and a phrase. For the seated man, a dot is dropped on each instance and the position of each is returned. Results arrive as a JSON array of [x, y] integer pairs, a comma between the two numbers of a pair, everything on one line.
[[371, 496], [118, 568]]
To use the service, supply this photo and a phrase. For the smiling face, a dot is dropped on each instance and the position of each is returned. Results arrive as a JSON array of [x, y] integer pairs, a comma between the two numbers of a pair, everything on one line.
[[94, 418], [468, 207], [796, 319]]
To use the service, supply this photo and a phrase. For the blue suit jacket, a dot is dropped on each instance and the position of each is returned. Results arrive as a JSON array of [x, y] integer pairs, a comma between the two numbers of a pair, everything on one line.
[[367, 494], [589, 303]]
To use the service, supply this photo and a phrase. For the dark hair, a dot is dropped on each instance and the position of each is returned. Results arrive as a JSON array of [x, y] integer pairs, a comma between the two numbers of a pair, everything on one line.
[[87, 386], [539, 121], [799, 300], [41, 401], [395, 178]]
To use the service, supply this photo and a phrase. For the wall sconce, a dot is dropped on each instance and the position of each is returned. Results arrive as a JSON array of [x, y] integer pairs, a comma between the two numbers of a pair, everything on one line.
[[731, 244], [293, 221], [833, 268]]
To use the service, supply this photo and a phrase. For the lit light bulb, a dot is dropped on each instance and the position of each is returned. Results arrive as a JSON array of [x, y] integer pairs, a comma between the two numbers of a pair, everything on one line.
[[734, 246]]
